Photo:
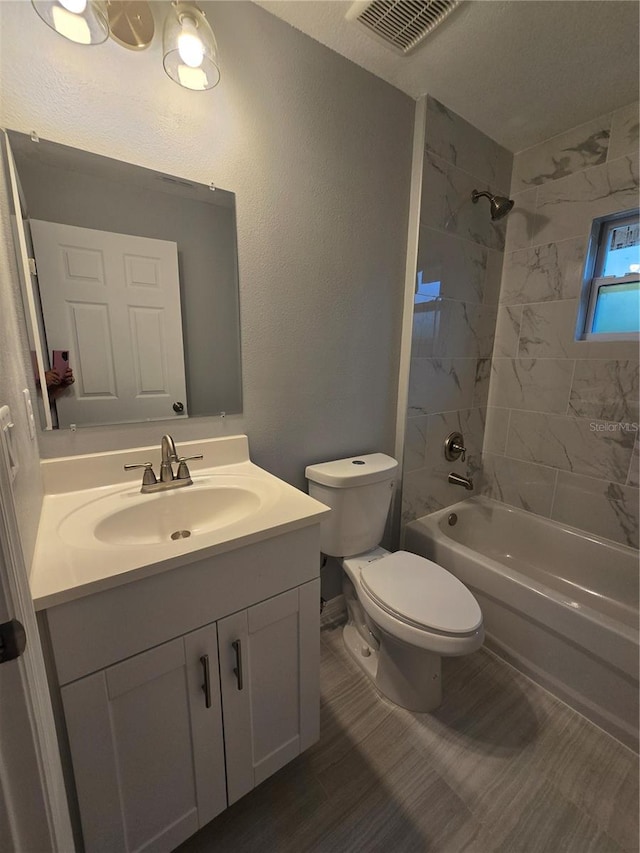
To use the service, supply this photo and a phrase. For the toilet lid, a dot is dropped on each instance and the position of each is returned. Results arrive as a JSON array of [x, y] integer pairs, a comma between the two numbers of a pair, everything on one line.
[[421, 592]]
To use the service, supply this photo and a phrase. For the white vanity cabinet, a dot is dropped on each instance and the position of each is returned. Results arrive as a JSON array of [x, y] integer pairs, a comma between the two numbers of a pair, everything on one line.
[[155, 756]]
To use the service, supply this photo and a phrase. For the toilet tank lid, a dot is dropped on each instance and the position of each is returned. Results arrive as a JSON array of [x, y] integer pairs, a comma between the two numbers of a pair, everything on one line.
[[354, 471]]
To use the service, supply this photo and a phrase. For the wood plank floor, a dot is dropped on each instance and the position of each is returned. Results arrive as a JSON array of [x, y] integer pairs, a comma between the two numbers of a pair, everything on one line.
[[500, 766]]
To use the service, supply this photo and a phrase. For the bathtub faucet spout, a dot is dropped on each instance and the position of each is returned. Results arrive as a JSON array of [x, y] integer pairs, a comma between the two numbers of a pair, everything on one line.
[[459, 480]]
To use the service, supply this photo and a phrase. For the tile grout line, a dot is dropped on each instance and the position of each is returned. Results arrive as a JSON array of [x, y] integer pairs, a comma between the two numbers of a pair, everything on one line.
[[537, 302], [548, 243], [609, 481], [553, 358], [457, 236], [466, 172]]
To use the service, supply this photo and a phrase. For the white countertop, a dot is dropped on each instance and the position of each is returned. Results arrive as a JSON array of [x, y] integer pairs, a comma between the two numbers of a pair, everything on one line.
[[69, 562]]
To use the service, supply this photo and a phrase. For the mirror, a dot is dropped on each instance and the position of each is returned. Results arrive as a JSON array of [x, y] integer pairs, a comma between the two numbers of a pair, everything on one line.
[[132, 294]]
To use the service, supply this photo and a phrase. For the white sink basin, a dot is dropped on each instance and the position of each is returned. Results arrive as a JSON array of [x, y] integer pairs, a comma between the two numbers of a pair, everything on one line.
[[177, 515], [98, 531], [127, 517]]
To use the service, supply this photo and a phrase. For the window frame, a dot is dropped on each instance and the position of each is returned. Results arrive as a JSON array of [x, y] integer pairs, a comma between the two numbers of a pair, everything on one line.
[[593, 280]]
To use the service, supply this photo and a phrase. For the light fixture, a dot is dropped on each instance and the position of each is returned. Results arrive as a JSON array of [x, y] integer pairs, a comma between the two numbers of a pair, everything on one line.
[[81, 21], [190, 52]]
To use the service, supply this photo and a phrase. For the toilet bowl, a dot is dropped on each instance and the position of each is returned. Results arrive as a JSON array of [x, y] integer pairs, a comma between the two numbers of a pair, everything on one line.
[[404, 612]]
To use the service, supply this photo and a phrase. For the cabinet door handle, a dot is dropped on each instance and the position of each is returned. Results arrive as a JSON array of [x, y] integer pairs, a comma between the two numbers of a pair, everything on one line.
[[206, 687], [238, 667]]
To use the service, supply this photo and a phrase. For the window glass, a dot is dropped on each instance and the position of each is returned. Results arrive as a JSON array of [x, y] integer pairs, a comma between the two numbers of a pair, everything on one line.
[[622, 250], [617, 308]]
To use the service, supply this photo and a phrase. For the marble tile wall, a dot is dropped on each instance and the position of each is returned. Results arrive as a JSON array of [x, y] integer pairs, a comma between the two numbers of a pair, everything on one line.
[[461, 250], [561, 434]]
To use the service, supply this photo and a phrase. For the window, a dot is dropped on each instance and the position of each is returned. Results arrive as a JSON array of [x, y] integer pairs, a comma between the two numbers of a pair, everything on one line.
[[613, 278]]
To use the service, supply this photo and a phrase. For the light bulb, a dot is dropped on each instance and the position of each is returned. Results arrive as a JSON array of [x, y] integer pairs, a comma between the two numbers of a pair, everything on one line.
[[190, 46], [190, 52], [75, 6]]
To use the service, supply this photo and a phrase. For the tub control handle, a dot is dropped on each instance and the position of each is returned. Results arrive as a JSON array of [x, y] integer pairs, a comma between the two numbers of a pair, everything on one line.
[[454, 447]]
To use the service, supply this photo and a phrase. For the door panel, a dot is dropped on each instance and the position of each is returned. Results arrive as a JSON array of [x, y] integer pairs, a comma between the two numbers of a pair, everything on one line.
[[275, 683], [206, 724], [275, 715], [149, 351], [33, 805], [154, 756], [90, 341], [149, 765], [309, 663], [236, 704], [112, 301]]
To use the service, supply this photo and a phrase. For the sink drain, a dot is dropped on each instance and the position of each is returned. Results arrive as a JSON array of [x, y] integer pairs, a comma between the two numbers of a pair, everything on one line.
[[181, 534]]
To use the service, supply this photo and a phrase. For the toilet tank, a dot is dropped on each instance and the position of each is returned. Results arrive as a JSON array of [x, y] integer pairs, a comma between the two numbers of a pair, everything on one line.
[[358, 490]]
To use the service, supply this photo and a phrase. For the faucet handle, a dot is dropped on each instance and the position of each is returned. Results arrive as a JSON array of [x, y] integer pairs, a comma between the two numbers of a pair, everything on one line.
[[183, 468], [148, 478], [461, 449]]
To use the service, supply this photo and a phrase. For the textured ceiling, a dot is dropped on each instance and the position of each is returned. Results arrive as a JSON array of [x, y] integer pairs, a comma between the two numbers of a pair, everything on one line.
[[521, 71]]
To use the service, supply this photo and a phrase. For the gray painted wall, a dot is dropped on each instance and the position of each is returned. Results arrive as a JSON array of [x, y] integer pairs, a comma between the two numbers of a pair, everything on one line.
[[318, 152], [562, 428], [460, 249]]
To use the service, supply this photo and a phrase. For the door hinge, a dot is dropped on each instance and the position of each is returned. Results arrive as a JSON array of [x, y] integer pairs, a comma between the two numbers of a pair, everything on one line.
[[13, 640], [33, 269]]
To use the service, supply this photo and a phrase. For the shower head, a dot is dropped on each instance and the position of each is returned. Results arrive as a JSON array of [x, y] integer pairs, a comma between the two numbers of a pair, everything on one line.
[[500, 205]]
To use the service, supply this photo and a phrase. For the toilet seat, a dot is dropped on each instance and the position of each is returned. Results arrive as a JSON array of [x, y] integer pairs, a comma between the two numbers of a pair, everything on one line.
[[415, 632], [421, 593]]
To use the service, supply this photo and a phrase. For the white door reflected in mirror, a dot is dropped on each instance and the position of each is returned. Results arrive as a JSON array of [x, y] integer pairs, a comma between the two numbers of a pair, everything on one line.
[[112, 301]]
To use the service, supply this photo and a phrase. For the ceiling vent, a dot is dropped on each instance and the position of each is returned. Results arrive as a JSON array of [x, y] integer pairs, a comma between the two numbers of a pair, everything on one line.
[[401, 24]]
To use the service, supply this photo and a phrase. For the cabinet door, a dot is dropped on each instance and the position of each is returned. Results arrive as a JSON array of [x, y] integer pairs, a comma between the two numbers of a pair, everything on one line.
[[270, 676], [147, 752]]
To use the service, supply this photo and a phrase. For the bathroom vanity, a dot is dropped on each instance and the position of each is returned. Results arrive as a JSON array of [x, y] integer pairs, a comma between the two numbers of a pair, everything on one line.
[[186, 674]]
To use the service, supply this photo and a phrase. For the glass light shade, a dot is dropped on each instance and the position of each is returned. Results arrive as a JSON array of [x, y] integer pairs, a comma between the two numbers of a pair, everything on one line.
[[81, 21], [190, 52]]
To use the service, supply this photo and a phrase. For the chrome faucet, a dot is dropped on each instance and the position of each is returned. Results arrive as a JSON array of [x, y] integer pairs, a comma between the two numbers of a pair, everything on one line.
[[168, 480], [459, 480], [169, 455]]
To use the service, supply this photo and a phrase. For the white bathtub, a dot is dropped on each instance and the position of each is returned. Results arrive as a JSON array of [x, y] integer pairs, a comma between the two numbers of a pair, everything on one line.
[[558, 603]]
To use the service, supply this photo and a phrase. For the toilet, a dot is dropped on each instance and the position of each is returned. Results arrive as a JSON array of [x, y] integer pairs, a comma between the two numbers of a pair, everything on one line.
[[404, 612]]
